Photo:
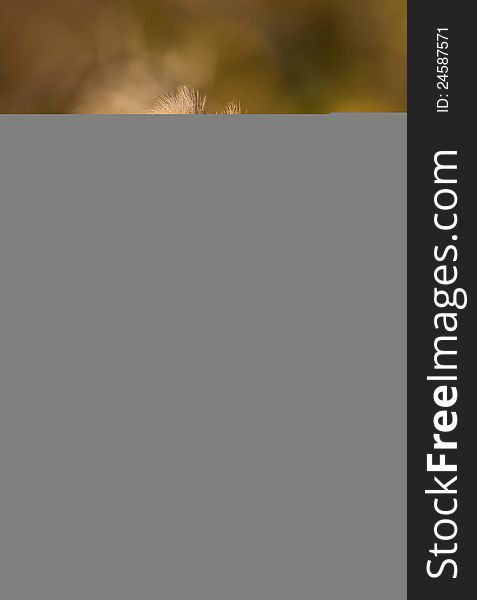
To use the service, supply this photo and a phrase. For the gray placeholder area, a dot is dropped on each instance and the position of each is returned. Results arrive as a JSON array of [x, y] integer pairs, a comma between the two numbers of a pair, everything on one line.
[[202, 374]]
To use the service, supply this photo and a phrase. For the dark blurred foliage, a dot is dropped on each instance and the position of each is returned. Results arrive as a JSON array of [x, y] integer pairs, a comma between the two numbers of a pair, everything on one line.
[[274, 56]]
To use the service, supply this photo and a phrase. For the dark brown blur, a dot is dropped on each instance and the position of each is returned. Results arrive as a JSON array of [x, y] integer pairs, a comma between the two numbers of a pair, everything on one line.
[[274, 56]]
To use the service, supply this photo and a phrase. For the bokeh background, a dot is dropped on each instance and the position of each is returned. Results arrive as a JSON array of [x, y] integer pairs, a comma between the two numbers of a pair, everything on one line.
[[274, 56]]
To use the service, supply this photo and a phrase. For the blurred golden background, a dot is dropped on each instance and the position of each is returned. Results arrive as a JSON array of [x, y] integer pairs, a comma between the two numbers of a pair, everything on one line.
[[274, 56]]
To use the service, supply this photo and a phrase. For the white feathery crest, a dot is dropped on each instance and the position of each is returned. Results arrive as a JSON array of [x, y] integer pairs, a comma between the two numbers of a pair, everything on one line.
[[184, 101], [188, 101]]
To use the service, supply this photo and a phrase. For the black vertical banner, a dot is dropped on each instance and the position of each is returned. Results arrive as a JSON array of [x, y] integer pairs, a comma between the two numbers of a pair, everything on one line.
[[442, 439]]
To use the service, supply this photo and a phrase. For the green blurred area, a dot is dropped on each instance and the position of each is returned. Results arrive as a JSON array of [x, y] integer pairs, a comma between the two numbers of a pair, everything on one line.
[[274, 56]]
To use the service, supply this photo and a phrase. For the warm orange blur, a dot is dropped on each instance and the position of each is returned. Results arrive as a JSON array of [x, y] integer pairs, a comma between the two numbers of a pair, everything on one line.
[[274, 56]]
